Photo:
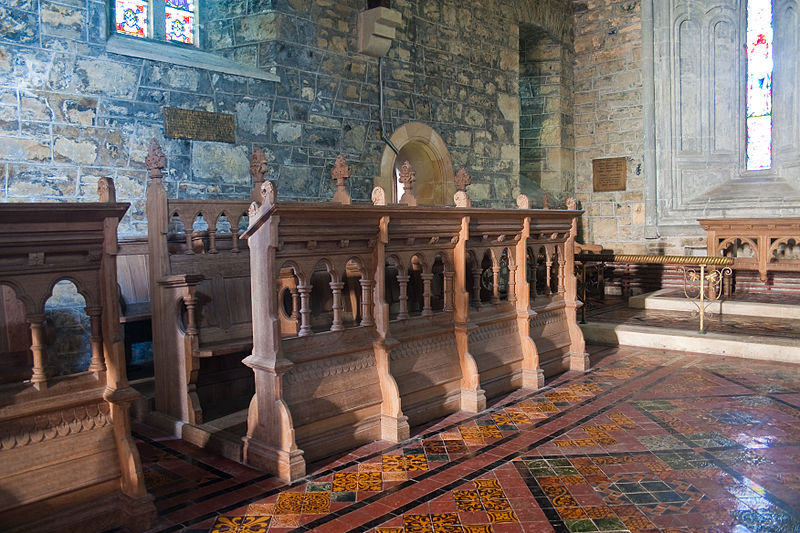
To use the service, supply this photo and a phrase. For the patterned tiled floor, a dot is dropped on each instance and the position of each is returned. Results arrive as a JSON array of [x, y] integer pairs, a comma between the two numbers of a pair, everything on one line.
[[646, 441]]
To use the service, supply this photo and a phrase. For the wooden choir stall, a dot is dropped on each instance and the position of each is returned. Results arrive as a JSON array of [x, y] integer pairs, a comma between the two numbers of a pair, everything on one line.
[[354, 322], [67, 458], [372, 318]]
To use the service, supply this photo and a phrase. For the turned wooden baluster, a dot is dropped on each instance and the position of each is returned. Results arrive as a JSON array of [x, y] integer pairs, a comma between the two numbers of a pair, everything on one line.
[[212, 235], [366, 301], [448, 291], [495, 284], [403, 282], [336, 289], [295, 304], [98, 363], [191, 321], [512, 283], [561, 270], [427, 310], [305, 310], [548, 268], [188, 230], [235, 235], [39, 376]]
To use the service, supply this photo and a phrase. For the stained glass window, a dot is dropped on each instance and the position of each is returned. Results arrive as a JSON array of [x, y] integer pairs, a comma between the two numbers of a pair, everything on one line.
[[141, 18], [759, 84], [131, 17], [179, 19]]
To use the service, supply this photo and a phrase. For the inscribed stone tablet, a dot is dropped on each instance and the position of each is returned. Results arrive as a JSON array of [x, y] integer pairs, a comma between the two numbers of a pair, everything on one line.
[[609, 174], [199, 125]]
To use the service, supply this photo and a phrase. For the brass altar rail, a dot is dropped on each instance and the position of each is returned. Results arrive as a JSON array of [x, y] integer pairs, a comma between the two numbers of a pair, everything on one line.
[[645, 259], [709, 283]]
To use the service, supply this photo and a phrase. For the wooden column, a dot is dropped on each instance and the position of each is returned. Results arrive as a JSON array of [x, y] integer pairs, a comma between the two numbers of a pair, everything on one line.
[[305, 310], [39, 375], [98, 363], [212, 240], [403, 282], [366, 301], [512, 283], [427, 310], [336, 289], [476, 288], [495, 284], [448, 291]]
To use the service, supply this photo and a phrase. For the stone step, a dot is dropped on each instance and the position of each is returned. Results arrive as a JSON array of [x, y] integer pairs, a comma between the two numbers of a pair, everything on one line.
[[745, 346], [665, 300]]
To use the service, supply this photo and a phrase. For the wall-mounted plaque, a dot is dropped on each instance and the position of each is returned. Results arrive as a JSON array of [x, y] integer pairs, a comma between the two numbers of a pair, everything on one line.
[[199, 125], [609, 174]]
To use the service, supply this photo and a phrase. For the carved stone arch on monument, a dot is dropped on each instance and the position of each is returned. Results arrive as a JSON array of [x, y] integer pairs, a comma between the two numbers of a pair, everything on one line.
[[421, 146]]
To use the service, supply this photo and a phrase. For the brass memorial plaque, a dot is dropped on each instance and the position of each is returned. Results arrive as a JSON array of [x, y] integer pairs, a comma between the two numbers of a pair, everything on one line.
[[199, 125], [609, 174]]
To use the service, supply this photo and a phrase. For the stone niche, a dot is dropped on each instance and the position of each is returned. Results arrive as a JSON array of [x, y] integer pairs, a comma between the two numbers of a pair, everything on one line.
[[426, 151]]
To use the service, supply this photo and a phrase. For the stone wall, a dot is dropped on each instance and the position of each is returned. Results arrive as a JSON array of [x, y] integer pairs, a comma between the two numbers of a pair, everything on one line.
[[608, 119], [70, 111]]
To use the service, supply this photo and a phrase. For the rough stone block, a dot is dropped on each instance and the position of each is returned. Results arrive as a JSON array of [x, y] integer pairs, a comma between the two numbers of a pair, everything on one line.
[[220, 163], [34, 183]]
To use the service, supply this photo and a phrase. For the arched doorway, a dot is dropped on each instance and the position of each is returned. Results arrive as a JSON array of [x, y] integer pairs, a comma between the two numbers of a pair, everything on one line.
[[425, 150]]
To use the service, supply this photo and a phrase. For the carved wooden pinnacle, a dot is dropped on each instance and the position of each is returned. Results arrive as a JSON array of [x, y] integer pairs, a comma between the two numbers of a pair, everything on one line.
[[407, 178], [155, 160], [341, 172], [258, 165], [462, 179]]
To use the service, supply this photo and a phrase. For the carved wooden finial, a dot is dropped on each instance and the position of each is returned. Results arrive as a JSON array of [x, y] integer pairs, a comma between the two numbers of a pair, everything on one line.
[[407, 178], [106, 190], [545, 201], [258, 169], [341, 173], [378, 196], [572, 203], [523, 202], [155, 160], [269, 193], [258, 165], [462, 179]]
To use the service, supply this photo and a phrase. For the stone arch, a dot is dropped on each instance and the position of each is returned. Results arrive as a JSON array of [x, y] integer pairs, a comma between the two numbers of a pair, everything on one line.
[[426, 151]]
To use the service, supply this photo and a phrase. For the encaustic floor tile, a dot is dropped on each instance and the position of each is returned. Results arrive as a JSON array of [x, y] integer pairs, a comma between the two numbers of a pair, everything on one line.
[[641, 442]]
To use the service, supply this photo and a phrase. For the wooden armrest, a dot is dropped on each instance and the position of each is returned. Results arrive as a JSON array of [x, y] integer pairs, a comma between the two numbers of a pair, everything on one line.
[[224, 348], [181, 280]]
